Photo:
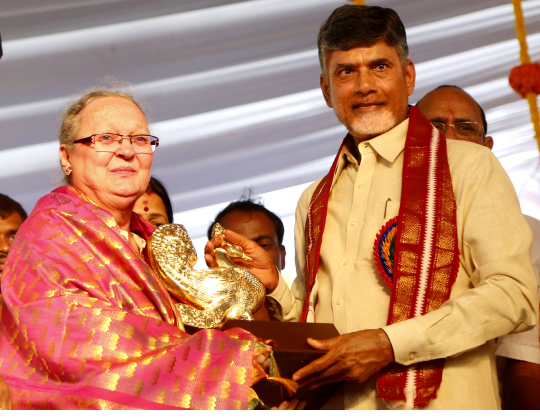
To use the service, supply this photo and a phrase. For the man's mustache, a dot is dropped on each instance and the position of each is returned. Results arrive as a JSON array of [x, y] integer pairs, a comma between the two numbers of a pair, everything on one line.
[[367, 103]]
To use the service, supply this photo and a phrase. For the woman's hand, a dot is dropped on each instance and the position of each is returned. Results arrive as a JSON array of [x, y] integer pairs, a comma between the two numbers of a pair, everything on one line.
[[5, 395], [263, 360], [261, 266]]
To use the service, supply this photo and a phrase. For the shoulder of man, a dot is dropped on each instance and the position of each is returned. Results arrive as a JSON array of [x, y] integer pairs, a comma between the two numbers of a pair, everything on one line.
[[458, 149], [305, 198], [472, 162]]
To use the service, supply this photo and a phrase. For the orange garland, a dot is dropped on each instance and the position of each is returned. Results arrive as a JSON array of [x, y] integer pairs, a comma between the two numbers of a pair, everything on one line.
[[525, 78]]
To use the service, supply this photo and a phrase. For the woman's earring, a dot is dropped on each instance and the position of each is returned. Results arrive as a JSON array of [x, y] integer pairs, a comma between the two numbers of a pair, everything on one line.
[[68, 171]]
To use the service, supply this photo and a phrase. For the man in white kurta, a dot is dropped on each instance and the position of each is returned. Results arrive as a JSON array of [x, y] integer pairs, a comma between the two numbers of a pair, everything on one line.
[[367, 79], [486, 301]]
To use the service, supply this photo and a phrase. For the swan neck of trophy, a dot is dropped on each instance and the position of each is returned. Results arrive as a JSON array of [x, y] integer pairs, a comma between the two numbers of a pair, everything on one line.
[[222, 259]]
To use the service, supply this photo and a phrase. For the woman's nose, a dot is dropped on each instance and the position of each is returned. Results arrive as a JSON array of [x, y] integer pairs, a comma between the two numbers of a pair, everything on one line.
[[125, 150]]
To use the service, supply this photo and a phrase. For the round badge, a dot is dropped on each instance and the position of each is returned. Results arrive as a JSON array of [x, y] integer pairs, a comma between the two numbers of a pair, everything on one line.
[[383, 250]]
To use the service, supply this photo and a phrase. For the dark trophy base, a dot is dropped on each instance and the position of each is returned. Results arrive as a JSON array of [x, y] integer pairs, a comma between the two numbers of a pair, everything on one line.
[[291, 353]]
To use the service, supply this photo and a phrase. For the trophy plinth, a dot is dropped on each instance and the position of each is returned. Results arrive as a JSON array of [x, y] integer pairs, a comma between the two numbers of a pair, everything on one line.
[[291, 352]]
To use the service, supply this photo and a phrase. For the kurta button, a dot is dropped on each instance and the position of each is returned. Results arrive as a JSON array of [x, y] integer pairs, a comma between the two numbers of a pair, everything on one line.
[[360, 186], [353, 223], [412, 356], [346, 262], [338, 301]]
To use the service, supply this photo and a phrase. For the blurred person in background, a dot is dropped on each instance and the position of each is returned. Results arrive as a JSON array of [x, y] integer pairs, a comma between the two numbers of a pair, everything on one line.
[[154, 206], [5, 393], [12, 215], [458, 116], [249, 217]]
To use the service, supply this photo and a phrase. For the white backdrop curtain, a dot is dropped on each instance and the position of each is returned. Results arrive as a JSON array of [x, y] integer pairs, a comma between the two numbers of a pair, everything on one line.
[[232, 90]]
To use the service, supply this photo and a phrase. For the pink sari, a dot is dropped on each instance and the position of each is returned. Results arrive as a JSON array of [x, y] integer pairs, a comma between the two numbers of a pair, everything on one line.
[[87, 325]]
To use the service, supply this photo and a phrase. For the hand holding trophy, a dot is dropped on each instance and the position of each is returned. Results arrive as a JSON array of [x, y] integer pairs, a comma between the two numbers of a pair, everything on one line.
[[259, 263]]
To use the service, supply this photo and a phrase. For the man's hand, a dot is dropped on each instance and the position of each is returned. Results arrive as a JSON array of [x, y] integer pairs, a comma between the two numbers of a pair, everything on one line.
[[261, 266], [355, 356], [5, 395], [290, 405]]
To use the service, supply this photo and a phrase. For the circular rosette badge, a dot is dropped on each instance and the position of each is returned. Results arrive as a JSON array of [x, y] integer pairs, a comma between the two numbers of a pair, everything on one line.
[[383, 250]]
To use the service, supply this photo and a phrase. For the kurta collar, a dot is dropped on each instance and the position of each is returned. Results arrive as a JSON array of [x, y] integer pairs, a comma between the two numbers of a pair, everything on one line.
[[390, 144]]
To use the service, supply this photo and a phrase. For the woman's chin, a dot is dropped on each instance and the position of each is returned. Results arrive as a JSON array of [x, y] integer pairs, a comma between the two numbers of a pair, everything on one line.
[[128, 192]]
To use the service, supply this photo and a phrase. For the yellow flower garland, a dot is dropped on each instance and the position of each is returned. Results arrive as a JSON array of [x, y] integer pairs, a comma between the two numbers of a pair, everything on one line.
[[525, 59]]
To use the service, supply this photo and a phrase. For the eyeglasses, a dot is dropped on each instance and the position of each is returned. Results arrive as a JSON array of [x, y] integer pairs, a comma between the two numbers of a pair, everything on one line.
[[142, 144], [464, 130]]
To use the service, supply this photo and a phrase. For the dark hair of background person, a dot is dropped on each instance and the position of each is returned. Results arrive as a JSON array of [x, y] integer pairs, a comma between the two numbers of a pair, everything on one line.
[[353, 26], [250, 205], [8, 206], [155, 186], [484, 120]]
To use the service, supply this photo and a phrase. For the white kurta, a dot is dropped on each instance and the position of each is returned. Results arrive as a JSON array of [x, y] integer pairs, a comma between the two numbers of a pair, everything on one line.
[[494, 293]]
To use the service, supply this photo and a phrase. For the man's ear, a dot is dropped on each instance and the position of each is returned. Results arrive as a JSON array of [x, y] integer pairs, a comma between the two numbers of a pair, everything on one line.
[[282, 253], [488, 142], [325, 91], [410, 77]]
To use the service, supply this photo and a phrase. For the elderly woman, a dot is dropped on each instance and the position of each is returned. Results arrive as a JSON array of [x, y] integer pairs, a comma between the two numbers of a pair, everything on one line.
[[86, 322]]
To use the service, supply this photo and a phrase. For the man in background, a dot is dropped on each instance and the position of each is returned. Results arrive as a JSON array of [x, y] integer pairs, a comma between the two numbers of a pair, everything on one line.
[[458, 116], [12, 215], [251, 219]]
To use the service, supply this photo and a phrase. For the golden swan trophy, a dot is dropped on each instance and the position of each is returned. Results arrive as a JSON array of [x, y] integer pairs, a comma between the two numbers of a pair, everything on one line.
[[215, 295], [211, 296]]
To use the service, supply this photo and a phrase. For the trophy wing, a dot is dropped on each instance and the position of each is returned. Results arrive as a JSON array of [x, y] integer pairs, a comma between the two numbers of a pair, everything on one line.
[[208, 286]]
